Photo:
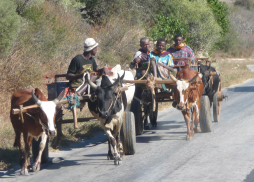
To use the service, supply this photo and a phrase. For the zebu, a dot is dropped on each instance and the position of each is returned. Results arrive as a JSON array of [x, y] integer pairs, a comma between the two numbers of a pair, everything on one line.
[[110, 106], [37, 122], [211, 83], [187, 96]]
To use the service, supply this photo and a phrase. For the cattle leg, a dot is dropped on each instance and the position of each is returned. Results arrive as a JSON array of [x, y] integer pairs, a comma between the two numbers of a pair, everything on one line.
[[37, 163], [117, 158], [190, 132], [18, 143], [27, 141], [110, 155], [146, 125], [119, 145], [196, 117]]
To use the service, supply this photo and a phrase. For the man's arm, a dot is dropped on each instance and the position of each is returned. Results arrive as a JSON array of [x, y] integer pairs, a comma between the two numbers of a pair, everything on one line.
[[72, 76], [134, 62], [102, 71], [167, 67], [73, 67]]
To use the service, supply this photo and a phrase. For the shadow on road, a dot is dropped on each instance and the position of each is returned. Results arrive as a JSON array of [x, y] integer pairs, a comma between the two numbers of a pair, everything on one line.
[[156, 133], [241, 89], [250, 177]]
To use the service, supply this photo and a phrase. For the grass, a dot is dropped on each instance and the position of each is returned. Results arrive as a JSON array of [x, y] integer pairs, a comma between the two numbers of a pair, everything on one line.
[[85, 130], [232, 72]]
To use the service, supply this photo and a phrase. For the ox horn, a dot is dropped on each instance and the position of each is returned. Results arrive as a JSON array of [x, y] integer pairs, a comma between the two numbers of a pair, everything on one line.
[[193, 79], [56, 100], [173, 78], [93, 85], [36, 100]]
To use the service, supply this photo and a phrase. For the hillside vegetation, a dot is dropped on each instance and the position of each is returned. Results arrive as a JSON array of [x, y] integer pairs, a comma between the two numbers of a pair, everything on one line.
[[39, 37]]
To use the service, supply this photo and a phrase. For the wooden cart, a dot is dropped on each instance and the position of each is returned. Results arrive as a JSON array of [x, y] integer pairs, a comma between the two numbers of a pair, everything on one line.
[[147, 106], [128, 128], [55, 87]]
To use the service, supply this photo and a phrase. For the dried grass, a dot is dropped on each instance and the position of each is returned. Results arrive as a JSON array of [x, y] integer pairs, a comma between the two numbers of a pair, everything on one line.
[[29, 60]]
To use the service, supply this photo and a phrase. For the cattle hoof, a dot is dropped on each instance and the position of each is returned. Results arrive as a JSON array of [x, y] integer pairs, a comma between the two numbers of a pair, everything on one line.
[[36, 168], [110, 157], [154, 124], [24, 172], [118, 161], [196, 129], [147, 127], [189, 138]]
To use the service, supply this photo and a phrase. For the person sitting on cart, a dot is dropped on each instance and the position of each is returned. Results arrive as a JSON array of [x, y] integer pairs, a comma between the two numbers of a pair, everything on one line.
[[181, 50], [161, 60], [82, 63], [141, 57]]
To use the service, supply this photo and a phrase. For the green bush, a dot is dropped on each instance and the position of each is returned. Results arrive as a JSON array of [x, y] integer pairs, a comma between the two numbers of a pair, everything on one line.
[[167, 27], [194, 19], [220, 11], [9, 26], [162, 18], [138, 12]]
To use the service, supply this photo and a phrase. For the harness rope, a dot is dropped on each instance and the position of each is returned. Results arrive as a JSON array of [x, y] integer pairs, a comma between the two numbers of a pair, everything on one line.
[[118, 95], [148, 68]]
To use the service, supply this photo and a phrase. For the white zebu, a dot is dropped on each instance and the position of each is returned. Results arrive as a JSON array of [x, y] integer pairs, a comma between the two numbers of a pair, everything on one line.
[[110, 106]]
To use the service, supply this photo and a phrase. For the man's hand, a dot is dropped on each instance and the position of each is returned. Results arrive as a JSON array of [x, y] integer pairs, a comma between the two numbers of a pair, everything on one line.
[[102, 71], [137, 60], [105, 71]]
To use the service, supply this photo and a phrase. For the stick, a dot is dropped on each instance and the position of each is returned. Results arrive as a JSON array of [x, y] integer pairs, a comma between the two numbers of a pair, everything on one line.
[[17, 111]]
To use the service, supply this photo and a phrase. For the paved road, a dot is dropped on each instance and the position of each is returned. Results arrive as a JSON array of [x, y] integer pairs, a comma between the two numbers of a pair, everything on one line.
[[224, 155], [251, 67]]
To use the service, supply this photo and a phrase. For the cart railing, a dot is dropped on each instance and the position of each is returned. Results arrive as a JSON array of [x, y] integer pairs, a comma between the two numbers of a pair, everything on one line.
[[206, 61]]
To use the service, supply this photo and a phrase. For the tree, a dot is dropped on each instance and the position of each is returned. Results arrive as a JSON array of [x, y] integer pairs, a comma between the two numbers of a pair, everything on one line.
[[9, 25]]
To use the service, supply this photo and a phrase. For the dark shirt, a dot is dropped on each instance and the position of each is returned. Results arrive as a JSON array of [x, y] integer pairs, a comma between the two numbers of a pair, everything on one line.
[[80, 65], [144, 58]]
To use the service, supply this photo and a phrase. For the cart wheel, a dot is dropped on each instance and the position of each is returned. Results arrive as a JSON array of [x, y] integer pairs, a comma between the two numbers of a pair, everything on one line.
[[128, 133], [153, 115], [205, 119], [137, 111], [217, 104]]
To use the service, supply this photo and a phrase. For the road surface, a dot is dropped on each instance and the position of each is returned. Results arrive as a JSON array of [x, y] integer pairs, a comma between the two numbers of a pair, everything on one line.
[[162, 154]]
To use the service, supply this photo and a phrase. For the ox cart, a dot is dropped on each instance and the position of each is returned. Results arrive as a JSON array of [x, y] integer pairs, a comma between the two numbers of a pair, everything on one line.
[[153, 93], [55, 87]]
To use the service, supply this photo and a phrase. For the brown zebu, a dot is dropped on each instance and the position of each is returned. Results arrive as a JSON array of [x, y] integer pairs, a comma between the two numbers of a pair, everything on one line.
[[189, 89], [36, 122]]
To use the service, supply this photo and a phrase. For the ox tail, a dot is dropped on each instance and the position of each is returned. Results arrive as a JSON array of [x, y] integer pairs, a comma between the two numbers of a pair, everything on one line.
[[16, 142]]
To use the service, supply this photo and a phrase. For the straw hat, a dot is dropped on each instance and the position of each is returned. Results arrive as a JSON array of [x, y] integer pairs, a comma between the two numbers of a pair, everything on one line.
[[90, 44]]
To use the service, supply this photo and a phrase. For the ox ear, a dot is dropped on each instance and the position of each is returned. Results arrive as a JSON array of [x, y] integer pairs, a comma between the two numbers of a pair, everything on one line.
[[121, 78], [116, 83], [193, 79], [208, 70], [36, 100], [93, 85]]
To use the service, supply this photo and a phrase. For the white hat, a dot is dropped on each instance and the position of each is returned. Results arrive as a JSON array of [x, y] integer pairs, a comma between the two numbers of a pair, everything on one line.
[[90, 44]]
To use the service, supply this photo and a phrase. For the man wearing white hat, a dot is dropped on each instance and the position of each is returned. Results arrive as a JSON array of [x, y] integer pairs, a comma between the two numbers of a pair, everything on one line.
[[84, 63]]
